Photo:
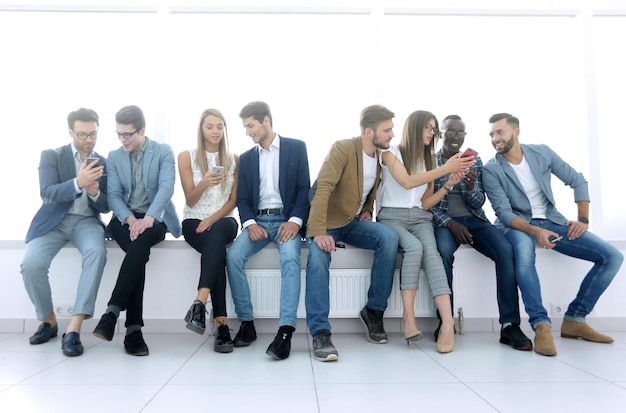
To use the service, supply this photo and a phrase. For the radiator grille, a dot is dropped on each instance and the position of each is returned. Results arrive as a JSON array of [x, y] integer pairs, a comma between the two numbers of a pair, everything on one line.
[[348, 294]]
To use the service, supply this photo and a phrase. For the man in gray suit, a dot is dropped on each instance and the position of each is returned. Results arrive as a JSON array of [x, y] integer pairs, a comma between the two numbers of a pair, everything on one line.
[[141, 185], [73, 188]]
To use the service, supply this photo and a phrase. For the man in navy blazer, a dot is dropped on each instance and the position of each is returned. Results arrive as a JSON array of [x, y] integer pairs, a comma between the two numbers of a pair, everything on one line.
[[140, 188], [272, 199], [517, 181], [73, 186]]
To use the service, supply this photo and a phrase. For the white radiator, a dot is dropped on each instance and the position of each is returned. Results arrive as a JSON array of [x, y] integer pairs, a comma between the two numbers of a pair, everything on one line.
[[348, 294]]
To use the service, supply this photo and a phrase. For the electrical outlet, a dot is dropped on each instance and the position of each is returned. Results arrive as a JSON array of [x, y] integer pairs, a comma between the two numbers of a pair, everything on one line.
[[64, 310], [558, 310]]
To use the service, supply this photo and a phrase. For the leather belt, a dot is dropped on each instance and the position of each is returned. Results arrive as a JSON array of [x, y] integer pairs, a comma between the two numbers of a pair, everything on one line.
[[269, 211]]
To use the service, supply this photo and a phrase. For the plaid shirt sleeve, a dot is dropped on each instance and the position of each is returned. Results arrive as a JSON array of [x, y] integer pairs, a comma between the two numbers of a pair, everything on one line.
[[474, 200]]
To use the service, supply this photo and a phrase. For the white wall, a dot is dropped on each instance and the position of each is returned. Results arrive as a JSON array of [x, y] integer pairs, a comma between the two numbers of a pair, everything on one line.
[[317, 63]]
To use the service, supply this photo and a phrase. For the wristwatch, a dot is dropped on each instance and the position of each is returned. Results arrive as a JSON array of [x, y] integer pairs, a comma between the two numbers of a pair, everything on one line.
[[583, 220], [446, 188]]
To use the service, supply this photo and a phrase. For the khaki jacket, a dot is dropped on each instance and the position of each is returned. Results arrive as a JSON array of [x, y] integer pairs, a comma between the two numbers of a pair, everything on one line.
[[339, 188]]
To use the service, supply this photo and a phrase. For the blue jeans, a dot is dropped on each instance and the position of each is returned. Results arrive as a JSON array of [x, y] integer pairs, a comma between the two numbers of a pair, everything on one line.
[[491, 243], [237, 257], [87, 234], [589, 247], [362, 234]]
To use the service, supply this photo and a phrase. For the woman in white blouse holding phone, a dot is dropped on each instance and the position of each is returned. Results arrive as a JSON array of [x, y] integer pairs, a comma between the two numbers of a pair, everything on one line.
[[404, 197], [209, 178]]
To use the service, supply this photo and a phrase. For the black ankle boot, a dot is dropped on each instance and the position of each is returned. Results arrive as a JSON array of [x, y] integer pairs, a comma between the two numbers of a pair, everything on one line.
[[196, 318]]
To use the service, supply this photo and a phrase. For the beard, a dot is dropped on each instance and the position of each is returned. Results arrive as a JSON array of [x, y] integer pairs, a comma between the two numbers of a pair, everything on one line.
[[508, 145], [380, 143]]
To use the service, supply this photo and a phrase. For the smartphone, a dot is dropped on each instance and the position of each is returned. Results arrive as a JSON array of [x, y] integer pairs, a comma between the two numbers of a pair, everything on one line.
[[340, 246], [218, 169], [91, 159], [469, 152], [555, 239]]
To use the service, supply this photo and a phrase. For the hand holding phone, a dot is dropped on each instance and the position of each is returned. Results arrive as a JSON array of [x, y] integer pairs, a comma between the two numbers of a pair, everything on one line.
[[555, 239], [469, 152]]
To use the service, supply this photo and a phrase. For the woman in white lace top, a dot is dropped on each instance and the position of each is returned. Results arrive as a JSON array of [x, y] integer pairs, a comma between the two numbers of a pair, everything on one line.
[[209, 177]]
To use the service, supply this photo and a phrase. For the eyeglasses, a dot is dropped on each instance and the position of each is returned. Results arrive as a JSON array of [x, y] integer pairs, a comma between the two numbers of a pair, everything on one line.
[[451, 134], [81, 136], [126, 135], [431, 129]]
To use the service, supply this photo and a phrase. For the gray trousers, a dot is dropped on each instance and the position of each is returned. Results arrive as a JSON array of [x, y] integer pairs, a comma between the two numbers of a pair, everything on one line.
[[87, 234], [419, 248]]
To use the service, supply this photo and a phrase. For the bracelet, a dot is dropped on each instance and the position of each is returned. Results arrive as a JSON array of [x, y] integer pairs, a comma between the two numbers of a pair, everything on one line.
[[447, 189], [583, 220]]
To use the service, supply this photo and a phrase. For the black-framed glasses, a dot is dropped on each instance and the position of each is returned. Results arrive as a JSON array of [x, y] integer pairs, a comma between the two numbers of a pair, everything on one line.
[[431, 129], [126, 135], [451, 134], [81, 136]]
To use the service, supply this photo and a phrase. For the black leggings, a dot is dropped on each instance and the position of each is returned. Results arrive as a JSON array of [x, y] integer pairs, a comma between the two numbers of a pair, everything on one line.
[[212, 245]]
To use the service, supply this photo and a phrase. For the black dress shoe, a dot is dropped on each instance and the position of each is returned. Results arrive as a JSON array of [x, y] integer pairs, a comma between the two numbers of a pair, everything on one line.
[[196, 318], [223, 342], [135, 345], [44, 333], [71, 344], [106, 327], [281, 346], [245, 335], [513, 336]]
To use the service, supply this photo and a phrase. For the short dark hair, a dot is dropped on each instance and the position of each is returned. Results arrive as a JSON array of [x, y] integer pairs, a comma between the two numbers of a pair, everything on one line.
[[451, 117], [83, 115], [257, 110], [131, 115], [510, 119], [373, 115]]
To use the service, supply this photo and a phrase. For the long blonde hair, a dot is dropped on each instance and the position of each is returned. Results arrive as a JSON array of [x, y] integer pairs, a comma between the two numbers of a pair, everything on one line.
[[412, 146], [223, 156]]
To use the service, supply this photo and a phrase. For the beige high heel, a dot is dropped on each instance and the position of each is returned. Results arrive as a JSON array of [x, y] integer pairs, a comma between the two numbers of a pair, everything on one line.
[[414, 335], [445, 348]]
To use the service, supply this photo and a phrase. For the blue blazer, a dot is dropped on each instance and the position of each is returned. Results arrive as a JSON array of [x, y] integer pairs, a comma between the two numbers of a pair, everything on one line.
[[159, 178], [293, 181], [507, 195], [56, 182]]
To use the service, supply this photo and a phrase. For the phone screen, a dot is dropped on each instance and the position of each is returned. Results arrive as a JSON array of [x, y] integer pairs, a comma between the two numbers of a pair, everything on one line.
[[218, 169]]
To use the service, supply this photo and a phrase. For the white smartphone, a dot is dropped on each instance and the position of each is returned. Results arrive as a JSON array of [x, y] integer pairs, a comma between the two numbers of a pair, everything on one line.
[[218, 169], [555, 239]]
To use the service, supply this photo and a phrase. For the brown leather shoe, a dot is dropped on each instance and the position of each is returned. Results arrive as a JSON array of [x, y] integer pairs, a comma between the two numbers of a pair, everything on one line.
[[572, 329], [544, 342]]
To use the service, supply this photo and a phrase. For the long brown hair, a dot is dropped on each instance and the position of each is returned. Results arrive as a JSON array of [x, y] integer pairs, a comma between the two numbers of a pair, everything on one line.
[[412, 146]]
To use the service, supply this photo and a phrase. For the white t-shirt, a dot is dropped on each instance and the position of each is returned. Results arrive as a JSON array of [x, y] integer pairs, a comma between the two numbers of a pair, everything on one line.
[[536, 197], [369, 177]]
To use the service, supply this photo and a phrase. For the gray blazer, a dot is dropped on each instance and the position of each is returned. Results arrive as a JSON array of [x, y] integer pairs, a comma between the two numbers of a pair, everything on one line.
[[159, 178], [56, 186], [507, 195]]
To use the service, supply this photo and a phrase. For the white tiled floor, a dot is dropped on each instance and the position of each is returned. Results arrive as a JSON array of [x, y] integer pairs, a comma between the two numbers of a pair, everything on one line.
[[183, 374]]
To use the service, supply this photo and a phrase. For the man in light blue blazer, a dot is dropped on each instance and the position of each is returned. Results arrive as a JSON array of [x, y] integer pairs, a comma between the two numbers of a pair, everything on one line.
[[140, 187], [272, 198], [73, 186], [517, 182]]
